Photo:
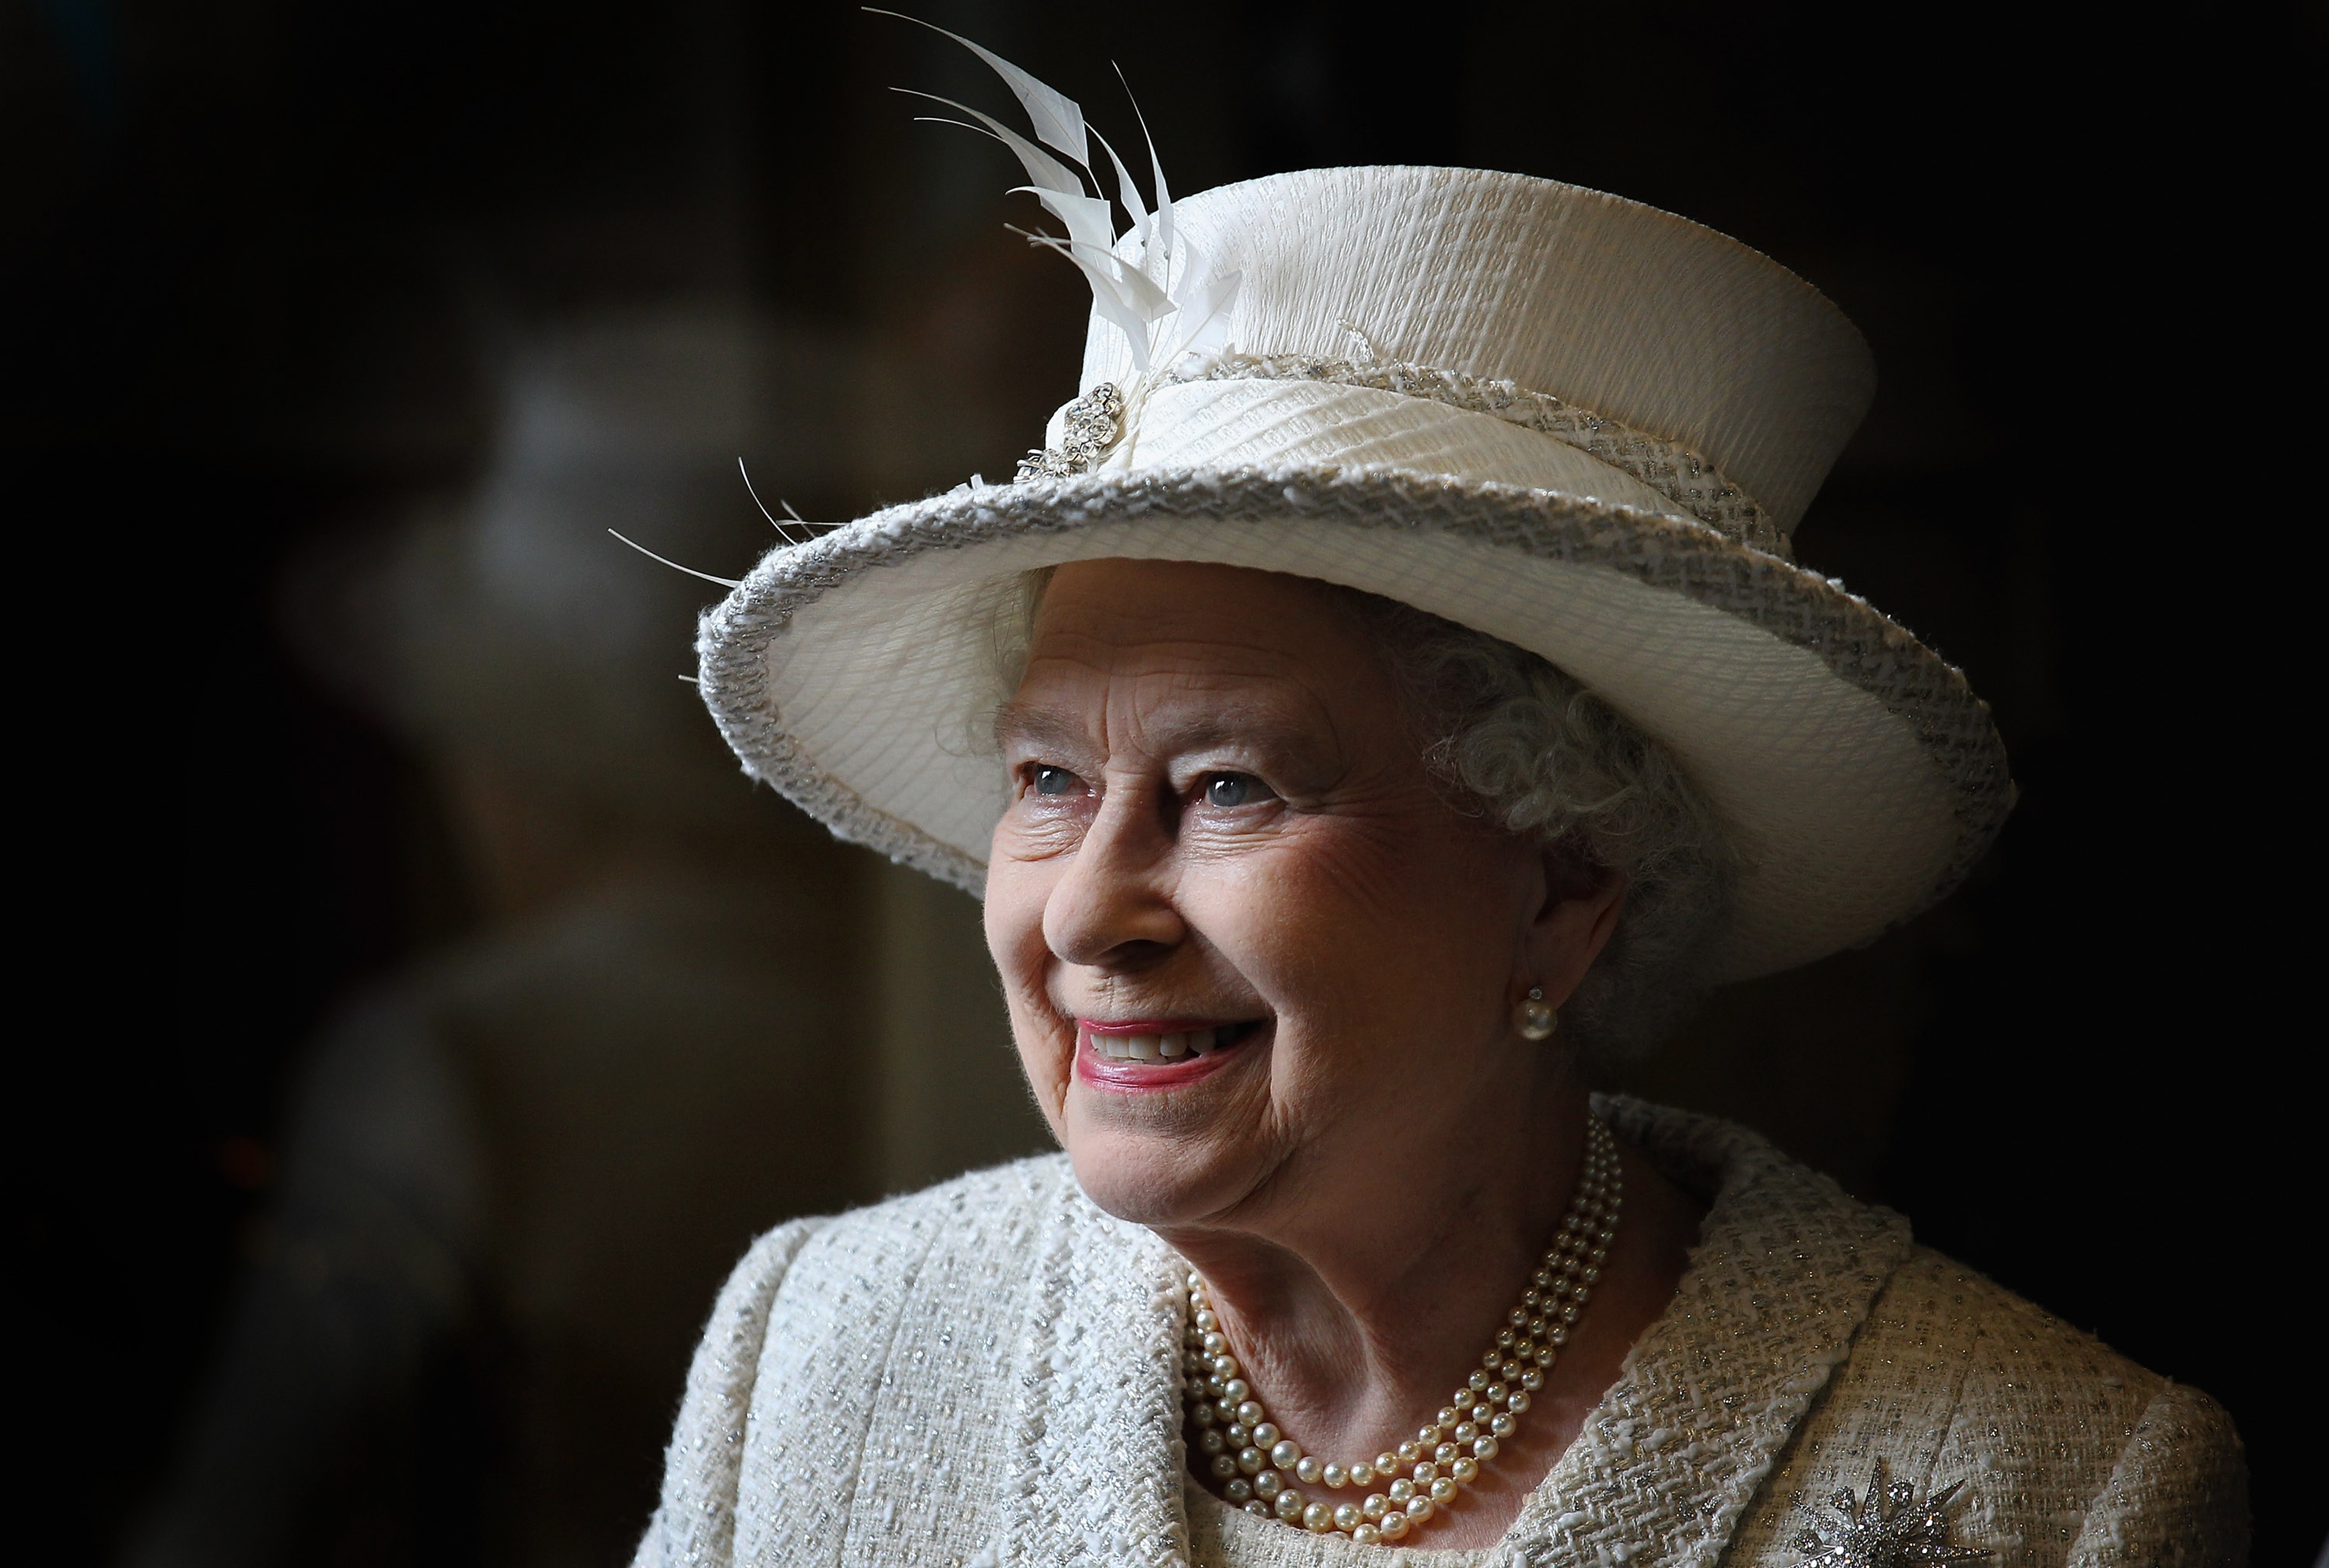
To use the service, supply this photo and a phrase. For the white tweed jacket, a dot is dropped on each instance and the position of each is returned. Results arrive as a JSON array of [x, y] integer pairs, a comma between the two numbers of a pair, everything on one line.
[[987, 1373]]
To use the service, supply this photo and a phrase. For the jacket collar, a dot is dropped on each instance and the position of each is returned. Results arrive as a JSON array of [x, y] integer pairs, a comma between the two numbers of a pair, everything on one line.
[[1783, 1274], [1664, 1467]]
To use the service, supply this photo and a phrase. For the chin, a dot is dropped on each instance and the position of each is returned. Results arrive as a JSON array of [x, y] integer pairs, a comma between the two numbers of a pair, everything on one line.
[[1155, 1181]]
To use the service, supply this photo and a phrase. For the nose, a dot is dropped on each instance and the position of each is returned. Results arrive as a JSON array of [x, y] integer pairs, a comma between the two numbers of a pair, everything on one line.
[[1111, 908]]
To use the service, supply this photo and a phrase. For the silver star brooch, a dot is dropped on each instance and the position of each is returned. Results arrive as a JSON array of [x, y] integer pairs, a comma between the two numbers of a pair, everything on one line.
[[1886, 1529]]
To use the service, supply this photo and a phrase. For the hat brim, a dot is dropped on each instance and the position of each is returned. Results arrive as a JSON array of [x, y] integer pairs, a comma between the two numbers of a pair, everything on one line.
[[1859, 774]]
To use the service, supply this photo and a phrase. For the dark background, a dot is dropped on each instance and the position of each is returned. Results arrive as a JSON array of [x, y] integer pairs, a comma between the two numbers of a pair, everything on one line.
[[252, 247]]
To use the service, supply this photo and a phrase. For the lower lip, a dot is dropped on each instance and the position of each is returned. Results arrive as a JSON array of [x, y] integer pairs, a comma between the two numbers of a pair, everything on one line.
[[1122, 1077]]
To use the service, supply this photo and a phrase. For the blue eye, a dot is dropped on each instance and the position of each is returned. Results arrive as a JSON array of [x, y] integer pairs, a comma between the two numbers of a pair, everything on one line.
[[1052, 781], [1234, 789]]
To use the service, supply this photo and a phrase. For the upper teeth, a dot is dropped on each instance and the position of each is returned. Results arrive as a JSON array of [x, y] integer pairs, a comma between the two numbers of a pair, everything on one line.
[[1156, 1047]]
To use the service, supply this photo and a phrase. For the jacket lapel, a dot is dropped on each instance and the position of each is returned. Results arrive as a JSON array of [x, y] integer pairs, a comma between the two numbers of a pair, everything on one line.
[[1096, 1427], [1785, 1273]]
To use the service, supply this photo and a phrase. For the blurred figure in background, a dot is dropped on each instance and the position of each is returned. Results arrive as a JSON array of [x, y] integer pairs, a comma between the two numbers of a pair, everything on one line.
[[514, 1174]]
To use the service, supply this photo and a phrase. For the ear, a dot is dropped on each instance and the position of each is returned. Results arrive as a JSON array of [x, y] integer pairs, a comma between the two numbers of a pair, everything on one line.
[[1572, 922]]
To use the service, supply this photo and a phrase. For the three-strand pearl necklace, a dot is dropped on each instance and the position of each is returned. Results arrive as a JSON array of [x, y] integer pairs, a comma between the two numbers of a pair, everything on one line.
[[1257, 1466]]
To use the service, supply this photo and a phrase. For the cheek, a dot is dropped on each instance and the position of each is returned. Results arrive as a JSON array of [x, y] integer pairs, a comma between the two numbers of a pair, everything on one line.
[[1015, 893], [1012, 905], [1368, 929]]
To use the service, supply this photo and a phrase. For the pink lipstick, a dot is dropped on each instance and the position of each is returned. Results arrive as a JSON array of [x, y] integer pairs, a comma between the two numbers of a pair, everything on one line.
[[1132, 1055]]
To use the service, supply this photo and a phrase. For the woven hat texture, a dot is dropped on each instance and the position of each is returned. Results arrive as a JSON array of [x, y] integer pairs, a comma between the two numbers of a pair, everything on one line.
[[1377, 417]]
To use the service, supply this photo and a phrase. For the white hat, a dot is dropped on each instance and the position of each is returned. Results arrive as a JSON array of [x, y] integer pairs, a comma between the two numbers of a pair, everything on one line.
[[1576, 423]]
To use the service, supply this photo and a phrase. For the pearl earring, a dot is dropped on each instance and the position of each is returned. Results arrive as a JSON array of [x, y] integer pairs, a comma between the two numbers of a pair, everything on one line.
[[1538, 1020]]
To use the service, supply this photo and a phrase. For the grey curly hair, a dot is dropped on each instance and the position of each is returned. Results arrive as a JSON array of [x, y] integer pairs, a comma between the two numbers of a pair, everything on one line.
[[1511, 737]]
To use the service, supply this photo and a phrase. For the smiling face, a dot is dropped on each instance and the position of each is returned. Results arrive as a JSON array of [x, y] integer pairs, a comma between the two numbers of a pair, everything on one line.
[[1255, 961]]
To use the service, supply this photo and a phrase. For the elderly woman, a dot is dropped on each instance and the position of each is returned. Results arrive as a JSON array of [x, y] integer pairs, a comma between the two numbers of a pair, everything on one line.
[[1390, 695]]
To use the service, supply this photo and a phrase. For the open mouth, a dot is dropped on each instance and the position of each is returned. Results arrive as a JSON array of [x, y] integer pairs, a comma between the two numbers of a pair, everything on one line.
[[1163, 1044], [1156, 1053]]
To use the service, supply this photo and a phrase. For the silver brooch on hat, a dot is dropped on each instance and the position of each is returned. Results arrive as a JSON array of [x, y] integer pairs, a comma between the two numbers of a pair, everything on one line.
[[1093, 422], [1148, 280], [1886, 1529]]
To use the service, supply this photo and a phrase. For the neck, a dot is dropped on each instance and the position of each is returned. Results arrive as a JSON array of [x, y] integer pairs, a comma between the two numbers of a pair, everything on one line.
[[1356, 1317], [1354, 1323]]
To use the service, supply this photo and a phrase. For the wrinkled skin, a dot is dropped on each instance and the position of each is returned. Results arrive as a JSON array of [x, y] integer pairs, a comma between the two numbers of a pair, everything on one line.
[[1221, 820]]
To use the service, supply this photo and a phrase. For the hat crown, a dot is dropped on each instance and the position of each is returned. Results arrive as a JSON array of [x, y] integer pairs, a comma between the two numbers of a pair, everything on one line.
[[1620, 308]]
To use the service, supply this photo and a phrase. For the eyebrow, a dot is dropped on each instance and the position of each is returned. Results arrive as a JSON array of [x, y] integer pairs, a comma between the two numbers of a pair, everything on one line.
[[1036, 722]]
